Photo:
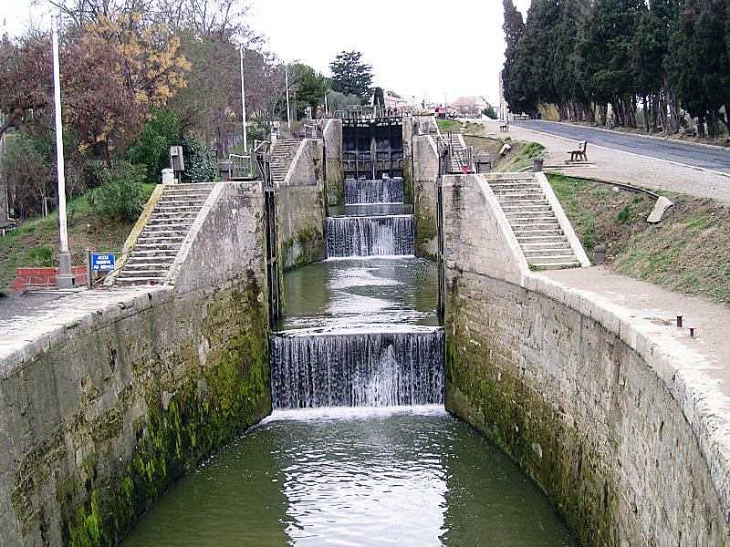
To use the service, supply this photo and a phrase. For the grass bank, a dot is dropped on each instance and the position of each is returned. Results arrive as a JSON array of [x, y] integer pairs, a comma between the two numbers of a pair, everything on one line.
[[35, 242], [688, 252]]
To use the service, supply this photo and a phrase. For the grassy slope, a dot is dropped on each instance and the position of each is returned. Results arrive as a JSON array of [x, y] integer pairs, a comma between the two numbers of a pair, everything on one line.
[[35, 243], [689, 251]]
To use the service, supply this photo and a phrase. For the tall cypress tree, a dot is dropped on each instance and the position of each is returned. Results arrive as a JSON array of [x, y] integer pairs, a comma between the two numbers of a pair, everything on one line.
[[514, 27], [607, 52]]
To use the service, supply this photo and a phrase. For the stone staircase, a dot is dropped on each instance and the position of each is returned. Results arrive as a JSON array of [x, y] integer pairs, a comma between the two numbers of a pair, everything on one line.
[[282, 155], [459, 156], [534, 223], [160, 240]]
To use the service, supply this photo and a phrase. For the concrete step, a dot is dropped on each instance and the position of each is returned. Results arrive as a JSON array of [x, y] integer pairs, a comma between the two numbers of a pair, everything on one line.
[[180, 202], [551, 230], [167, 226], [154, 280], [150, 260], [168, 222], [558, 258], [132, 272], [188, 216], [529, 215], [557, 252], [560, 243], [541, 208], [554, 265], [153, 253], [509, 200]]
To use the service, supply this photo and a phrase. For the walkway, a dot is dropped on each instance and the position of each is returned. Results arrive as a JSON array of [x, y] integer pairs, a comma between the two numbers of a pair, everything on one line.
[[627, 167], [657, 309]]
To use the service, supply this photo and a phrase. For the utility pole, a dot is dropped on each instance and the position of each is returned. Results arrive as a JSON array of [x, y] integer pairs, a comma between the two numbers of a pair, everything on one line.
[[243, 105], [288, 116], [65, 279]]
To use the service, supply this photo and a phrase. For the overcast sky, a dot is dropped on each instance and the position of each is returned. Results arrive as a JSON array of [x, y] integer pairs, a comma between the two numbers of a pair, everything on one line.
[[419, 48]]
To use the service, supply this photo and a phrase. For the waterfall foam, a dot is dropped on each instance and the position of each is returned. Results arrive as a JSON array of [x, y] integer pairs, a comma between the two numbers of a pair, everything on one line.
[[370, 236]]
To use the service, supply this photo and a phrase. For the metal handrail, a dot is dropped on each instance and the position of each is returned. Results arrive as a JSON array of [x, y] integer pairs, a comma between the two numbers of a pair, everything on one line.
[[239, 167]]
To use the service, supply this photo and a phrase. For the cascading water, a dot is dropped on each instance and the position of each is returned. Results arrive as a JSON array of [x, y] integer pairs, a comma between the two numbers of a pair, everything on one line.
[[388, 367], [385, 190], [390, 235]]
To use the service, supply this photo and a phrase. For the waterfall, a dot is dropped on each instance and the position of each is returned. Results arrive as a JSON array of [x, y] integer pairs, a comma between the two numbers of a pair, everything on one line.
[[391, 367], [370, 236], [374, 191]]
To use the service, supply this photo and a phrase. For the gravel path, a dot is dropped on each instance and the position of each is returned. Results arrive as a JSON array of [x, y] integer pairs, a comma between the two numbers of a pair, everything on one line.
[[629, 168]]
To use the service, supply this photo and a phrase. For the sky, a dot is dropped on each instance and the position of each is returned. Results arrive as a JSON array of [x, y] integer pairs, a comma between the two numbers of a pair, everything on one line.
[[437, 50]]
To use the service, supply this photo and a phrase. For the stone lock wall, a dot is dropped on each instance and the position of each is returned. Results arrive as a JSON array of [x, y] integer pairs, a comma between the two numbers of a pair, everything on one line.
[[100, 416], [333, 148], [300, 209], [587, 403], [425, 165]]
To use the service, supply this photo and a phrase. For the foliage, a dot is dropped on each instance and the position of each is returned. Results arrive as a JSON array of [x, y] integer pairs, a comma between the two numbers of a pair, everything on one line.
[[310, 86], [490, 113], [152, 149], [25, 78], [379, 96], [121, 197], [200, 164], [27, 168], [351, 76], [340, 101], [114, 72], [586, 56]]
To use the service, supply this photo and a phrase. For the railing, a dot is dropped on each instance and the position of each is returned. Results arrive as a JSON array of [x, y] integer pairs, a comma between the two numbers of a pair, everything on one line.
[[461, 159], [262, 153], [240, 167]]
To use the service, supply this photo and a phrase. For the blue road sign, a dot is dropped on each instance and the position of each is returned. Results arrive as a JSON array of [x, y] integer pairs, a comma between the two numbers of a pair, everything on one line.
[[102, 262]]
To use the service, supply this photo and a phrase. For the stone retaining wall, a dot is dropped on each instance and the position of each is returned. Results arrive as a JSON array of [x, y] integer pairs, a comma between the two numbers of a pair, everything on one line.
[[592, 405], [425, 164], [300, 209], [101, 410]]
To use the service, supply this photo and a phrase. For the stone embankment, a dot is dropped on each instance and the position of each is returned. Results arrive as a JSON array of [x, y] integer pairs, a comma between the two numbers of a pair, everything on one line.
[[623, 425]]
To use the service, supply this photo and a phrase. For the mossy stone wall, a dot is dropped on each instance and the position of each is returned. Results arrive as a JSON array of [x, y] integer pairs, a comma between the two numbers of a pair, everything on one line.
[[100, 425], [581, 412]]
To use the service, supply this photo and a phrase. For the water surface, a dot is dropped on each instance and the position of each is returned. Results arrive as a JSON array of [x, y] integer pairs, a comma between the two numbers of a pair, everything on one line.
[[408, 476]]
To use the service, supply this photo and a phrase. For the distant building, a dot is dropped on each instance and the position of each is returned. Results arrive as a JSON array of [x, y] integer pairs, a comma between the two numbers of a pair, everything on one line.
[[394, 101], [471, 106]]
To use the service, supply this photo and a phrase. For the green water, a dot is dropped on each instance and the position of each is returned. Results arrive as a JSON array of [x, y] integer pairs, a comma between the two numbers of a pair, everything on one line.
[[370, 477]]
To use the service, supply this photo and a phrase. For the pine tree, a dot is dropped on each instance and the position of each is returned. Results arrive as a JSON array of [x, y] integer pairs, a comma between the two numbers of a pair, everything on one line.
[[351, 76]]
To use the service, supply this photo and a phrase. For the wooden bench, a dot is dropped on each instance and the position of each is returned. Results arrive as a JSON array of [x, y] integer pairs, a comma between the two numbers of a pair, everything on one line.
[[504, 127], [579, 154]]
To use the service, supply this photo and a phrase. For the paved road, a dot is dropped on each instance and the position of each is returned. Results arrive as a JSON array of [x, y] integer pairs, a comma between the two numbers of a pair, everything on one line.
[[685, 153]]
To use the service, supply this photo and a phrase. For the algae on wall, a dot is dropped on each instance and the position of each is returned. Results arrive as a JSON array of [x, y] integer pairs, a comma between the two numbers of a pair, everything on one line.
[[182, 377]]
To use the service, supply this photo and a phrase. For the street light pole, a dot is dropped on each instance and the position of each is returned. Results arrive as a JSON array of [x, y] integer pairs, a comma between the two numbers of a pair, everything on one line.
[[243, 105], [65, 279], [286, 76]]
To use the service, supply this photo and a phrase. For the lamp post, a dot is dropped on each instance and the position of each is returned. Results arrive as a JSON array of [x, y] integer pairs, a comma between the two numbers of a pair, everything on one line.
[[288, 117], [65, 279], [243, 105]]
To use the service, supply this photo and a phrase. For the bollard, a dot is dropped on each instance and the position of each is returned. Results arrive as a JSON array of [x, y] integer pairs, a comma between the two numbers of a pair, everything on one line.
[[537, 165], [679, 321], [692, 332], [599, 254]]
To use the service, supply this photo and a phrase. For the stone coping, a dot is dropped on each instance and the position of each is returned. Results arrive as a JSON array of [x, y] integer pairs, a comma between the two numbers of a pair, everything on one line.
[[690, 375], [23, 338]]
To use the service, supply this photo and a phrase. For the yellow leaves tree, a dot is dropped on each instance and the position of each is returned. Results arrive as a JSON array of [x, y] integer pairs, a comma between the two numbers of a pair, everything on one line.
[[116, 69]]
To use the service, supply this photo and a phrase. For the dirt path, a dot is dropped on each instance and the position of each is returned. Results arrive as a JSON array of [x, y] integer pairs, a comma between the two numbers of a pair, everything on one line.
[[625, 167]]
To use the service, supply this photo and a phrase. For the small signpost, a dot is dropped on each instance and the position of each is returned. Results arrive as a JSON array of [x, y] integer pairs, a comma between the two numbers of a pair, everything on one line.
[[99, 263]]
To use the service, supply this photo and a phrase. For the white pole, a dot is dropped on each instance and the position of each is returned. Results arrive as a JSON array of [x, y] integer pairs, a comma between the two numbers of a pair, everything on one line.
[[243, 105], [326, 106], [288, 118], [65, 278]]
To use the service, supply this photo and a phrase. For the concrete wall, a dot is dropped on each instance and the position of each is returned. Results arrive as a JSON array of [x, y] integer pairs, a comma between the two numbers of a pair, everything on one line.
[[224, 240], [111, 397], [591, 404], [333, 147], [425, 167], [300, 209]]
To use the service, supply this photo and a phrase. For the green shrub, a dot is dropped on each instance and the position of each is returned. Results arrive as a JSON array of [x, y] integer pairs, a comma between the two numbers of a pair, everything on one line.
[[623, 215], [200, 164], [121, 197], [490, 113], [41, 256], [153, 148]]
